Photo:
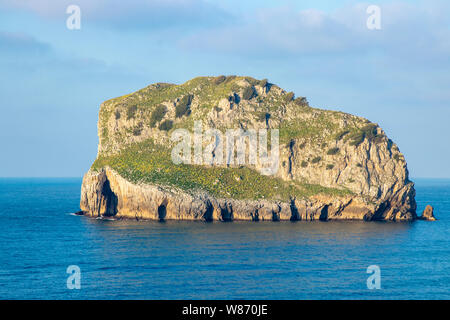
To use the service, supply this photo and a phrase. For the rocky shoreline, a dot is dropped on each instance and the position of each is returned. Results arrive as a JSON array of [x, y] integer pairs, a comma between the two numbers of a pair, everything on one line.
[[105, 193]]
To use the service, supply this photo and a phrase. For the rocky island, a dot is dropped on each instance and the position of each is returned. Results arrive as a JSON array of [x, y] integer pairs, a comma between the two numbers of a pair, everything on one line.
[[332, 165]]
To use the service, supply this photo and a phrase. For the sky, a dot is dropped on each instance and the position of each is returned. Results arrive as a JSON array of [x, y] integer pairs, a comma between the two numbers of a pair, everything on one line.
[[53, 79]]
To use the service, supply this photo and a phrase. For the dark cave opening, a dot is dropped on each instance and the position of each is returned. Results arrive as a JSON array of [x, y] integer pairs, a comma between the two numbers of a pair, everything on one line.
[[162, 211], [109, 200], [208, 216], [324, 213]]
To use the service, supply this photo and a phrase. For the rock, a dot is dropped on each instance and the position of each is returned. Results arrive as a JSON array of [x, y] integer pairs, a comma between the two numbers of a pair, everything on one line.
[[332, 165], [428, 214]]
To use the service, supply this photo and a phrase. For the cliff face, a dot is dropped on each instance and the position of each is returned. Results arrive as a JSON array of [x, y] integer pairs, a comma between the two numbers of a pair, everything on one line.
[[332, 165]]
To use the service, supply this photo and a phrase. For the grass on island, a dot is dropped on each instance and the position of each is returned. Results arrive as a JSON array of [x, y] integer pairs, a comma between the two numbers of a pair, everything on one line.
[[150, 163]]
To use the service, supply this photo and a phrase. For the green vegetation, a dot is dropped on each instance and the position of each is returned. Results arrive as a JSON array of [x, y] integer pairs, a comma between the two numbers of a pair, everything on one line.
[[341, 134], [304, 164], [333, 151], [289, 97], [166, 125], [330, 166], [218, 80], [301, 101], [147, 162], [318, 130], [356, 138], [316, 160], [131, 111], [209, 91], [117, 114], [231, 78], [263, 83], [248, 93], [157, 115], [368, 131], [182, 107], [138, 129], [262, 116]]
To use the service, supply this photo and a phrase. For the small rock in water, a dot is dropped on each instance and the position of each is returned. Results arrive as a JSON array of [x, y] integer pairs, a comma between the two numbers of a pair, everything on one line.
[[428, 214]]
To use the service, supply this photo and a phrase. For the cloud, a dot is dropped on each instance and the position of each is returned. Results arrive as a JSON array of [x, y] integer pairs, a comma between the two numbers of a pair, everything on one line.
[[21, 55], [130, 14], [273, 32], [19, 44], [420, 31]]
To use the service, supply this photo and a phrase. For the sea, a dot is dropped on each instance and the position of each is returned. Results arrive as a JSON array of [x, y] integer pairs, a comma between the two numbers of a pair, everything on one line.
[[47, 252]]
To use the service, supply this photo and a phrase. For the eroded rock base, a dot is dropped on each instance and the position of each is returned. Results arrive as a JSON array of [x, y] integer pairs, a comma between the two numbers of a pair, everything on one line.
[[105, 193]]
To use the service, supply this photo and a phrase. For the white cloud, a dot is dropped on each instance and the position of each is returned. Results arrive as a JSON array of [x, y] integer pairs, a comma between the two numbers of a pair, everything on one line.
[[419, 30]]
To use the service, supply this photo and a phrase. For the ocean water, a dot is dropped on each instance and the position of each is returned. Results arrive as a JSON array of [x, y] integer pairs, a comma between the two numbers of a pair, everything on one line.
[[40, 238]]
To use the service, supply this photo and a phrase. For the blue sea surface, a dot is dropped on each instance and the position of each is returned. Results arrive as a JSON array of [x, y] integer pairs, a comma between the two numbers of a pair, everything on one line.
[[127, 259]]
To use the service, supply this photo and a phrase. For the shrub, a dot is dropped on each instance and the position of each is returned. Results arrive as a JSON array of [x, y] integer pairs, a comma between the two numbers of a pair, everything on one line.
[[356, 138], [333, 151], [138, 129], [330, 166], [304, 164], [157, 115], [217, 109], [131, 111], [341, 134], [369, 131], [378, 138], [303, 145], [183, 105], [218, 80], [396, 157], [359, 165], [263, 83], [301, 101], [289, 96], [230, 78], [248, 93], [316, 160], [263, 116], [117, 114], [166, 125]]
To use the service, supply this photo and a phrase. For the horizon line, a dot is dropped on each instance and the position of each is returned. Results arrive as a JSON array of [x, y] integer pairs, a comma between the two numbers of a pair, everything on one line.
[[80, 177]]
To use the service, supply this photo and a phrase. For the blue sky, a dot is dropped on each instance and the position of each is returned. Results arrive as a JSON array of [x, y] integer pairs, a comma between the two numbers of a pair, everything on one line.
[[53, 79]]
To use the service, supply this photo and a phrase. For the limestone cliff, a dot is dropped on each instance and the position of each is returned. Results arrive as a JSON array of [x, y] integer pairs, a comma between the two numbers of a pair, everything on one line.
[[332, 165]]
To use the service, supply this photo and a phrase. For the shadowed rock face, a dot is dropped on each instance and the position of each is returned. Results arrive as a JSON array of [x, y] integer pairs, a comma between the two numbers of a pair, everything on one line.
[[324, 148]]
